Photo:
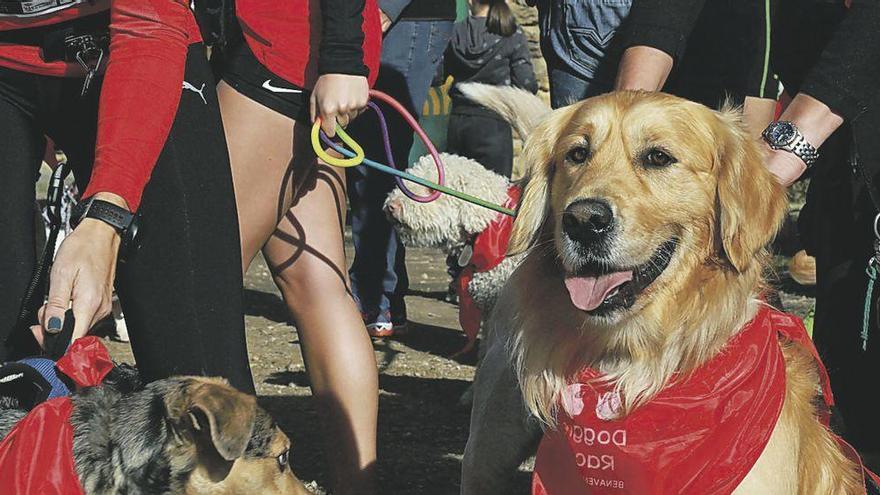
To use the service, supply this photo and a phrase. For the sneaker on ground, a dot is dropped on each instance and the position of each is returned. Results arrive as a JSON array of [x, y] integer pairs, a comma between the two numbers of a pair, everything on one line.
[[384, 325], [380, 329]]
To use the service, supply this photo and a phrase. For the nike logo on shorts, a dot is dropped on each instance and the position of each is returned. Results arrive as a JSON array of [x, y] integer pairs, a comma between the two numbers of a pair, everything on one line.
[[275, 89]]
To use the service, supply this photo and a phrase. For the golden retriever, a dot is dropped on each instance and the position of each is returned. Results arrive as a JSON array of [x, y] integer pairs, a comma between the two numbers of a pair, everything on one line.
[[645, 218]]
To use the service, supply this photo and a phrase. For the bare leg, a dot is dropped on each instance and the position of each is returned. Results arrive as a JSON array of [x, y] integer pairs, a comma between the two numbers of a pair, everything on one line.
[[306, 255]]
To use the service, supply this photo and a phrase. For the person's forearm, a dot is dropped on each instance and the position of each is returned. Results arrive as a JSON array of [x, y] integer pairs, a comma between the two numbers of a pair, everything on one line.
[[845, 75], [816, 122], [758, 113], [342, 38], [643, 67], [814, 119], [140, 93]]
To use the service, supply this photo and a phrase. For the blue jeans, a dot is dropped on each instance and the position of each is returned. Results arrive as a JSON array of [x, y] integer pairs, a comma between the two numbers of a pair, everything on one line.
[[576, 34], [411, 51], [567, 88], [575, 40]]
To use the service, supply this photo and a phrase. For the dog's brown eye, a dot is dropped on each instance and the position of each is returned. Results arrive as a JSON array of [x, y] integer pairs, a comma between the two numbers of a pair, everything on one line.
[[282, 460], [658, 158], [578, 154]]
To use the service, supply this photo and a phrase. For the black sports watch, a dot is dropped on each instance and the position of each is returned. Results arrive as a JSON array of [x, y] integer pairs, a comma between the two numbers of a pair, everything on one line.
[[124, 221], [784, 135], [115, 216]]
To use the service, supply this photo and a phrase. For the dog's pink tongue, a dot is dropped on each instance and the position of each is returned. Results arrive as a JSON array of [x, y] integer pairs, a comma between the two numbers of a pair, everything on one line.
[[587, 293]]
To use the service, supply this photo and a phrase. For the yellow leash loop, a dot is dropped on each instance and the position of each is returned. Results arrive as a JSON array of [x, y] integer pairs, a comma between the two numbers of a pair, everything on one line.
[[354, 161]]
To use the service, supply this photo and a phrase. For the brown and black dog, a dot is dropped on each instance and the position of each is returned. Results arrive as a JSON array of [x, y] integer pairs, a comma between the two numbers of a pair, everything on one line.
[[182, 435]]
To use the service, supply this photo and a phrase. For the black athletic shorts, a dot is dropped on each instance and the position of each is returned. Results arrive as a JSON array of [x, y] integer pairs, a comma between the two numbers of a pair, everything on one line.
[[239, 67]]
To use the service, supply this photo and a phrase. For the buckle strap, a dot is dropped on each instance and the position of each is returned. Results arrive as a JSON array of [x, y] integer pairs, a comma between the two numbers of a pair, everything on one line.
[[40, 35], [33, 8]]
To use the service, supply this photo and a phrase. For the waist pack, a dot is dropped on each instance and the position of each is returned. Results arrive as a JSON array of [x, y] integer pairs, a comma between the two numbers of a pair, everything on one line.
[[34, 8]]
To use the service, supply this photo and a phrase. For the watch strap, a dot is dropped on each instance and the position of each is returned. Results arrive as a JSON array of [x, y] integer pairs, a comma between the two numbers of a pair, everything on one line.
[[117, 217], [798, 146], [804, 150]]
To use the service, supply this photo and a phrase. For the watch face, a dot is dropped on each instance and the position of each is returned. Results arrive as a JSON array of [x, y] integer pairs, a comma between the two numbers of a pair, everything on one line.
[[781, 133]]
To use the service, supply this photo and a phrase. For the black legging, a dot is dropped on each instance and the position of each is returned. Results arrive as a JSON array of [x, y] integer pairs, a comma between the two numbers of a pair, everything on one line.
[[181, 287]]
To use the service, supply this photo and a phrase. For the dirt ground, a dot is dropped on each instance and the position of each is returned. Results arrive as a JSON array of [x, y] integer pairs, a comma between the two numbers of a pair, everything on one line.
[[422, 429]]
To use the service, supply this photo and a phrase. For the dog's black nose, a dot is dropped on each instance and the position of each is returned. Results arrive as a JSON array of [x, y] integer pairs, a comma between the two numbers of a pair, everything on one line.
[[587, 220]]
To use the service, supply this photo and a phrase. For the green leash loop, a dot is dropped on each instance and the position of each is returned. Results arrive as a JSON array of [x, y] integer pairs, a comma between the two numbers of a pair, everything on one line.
[[871, 272]]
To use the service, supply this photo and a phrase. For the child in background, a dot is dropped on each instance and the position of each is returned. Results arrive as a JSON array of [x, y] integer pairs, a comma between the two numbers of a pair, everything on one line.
[[487, 47]]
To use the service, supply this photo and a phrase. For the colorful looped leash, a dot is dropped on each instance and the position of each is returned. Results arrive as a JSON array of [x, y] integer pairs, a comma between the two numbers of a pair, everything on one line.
[[356, 157]]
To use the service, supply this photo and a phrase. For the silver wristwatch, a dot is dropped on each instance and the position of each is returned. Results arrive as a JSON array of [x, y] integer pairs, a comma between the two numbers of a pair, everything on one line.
[[784, 135]]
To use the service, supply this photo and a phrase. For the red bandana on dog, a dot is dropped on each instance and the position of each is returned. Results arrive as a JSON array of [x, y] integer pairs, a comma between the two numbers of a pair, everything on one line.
[[489, 249], [701, 434], [36, 457]]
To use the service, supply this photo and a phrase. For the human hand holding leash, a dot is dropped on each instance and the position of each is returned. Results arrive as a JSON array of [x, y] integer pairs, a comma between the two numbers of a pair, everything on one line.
[[82, 277], [338, 98]]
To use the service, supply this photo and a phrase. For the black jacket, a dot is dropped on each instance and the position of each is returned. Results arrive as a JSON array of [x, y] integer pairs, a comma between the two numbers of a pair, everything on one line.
[[476, 55], [721, 47], [842, 54], [419, 10]]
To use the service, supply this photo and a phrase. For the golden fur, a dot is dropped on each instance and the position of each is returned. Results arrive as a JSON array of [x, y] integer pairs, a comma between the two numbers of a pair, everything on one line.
[[721, 204]]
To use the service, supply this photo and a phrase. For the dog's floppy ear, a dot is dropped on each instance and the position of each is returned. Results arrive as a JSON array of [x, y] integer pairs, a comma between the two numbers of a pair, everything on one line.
[[751, 200], [225, 415], [535, 202]]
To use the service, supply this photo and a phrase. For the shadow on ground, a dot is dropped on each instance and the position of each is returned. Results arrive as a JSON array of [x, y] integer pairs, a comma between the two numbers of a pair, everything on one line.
[[265, 305], [437, 295], [422, 433], [439, 341]]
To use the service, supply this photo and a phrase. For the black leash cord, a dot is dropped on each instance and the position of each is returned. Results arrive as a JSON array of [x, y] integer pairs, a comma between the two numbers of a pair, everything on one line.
[[36, 290]]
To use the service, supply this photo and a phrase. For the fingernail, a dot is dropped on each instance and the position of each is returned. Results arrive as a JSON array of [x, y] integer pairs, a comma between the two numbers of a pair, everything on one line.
[[54, 324]]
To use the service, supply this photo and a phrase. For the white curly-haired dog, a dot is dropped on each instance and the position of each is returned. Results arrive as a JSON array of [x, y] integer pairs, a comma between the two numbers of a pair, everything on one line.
[[450, 223]]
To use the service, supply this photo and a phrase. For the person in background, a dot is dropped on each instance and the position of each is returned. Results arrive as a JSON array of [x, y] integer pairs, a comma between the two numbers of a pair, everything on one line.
[[283, 65], [714, 53], [487, 47], [575, 39], [416, 33], [828, 56]]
